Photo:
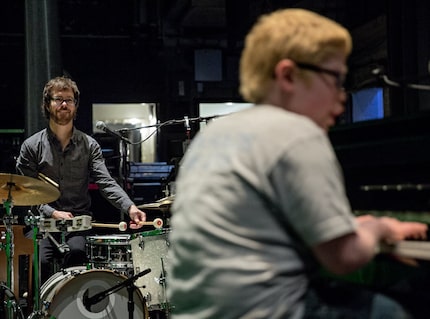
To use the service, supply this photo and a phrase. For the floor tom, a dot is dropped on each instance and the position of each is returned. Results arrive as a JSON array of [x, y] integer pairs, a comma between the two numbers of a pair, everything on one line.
[[149, 250]]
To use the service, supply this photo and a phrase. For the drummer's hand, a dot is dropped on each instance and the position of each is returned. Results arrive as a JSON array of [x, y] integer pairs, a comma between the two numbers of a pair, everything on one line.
[[59, 214], [136, 216]]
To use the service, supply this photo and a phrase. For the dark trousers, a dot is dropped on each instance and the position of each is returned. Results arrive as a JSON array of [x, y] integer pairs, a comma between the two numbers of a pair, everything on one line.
[[50, 254]]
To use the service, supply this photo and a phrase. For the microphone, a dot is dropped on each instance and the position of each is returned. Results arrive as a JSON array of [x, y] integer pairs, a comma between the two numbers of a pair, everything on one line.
[[90, 301], [102, 126]]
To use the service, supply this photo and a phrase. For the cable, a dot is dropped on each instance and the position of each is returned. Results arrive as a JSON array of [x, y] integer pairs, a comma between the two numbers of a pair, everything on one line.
[[158, 126]]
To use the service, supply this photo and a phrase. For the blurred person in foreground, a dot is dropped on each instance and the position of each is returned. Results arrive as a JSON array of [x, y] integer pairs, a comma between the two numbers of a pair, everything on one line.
[[260, 204], [69, 157]]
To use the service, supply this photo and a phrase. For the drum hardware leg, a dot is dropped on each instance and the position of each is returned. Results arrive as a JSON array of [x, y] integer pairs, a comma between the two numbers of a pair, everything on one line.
[[130, 302], [34, 222], [62, 247], [129, 283], [62, 227], [8, 221], [162, 281]]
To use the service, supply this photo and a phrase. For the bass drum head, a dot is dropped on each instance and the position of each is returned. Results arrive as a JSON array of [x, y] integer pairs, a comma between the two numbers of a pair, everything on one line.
[[66, 299]]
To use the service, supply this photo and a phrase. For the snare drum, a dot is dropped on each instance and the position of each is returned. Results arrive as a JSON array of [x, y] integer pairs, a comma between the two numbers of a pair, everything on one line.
[[110, 252], [63, 295], [149, 250]]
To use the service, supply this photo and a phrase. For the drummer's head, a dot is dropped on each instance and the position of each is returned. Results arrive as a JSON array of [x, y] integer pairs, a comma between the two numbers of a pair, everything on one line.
[[58, 84]]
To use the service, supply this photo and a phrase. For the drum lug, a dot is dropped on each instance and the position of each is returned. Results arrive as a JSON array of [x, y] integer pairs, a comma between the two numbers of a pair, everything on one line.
[[46, 305], [161, 280], [141, 243], [148, 297]]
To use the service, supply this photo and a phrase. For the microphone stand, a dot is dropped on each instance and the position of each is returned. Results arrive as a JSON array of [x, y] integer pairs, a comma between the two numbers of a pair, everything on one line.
[[185, 121], [123, 141], [89, 301], [124, 168], [380, 74]]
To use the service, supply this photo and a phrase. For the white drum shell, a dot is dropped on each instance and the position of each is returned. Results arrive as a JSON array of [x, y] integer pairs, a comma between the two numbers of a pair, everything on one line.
[[149, 250], [62, 295]]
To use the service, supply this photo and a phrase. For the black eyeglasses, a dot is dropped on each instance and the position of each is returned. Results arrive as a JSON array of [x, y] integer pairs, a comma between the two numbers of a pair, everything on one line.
[[339, 77], [58, 101]]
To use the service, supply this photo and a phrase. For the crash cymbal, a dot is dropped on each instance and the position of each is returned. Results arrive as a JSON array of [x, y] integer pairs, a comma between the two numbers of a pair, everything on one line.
[[26, 191], [161, 204]]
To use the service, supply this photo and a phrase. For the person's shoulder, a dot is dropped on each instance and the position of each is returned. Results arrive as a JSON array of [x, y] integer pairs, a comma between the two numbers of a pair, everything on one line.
[[82, 138], [289, 121], [36, 136], [91, 140], [82, 135]]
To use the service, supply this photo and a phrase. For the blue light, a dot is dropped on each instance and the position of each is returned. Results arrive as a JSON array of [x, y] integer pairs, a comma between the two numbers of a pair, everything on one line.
[[367, 104]]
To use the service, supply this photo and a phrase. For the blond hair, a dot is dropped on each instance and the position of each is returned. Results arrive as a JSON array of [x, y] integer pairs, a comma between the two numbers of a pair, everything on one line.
[[296, 34]]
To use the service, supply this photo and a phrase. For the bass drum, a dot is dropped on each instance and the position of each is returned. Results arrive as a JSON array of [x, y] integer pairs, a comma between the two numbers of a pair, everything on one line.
[[63, 293]]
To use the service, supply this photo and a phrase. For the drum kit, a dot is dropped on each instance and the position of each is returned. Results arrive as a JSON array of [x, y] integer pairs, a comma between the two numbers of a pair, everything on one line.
[[125, 273]]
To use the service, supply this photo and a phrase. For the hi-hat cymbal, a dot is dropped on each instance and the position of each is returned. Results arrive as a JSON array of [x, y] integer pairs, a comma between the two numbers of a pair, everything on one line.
[[26, 191], [161, 204]]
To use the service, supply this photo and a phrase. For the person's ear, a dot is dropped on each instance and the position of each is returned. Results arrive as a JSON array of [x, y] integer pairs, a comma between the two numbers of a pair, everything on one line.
[[284, 72]]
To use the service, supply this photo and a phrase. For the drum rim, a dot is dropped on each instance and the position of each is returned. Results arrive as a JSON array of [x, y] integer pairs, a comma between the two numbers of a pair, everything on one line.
[[58, 286]]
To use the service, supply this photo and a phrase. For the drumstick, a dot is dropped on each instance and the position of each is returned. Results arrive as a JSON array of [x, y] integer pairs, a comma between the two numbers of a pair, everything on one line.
[[157, 223], [122, 226]]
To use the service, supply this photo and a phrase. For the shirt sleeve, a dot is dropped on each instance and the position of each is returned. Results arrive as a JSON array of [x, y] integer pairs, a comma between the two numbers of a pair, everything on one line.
[[109, 188], [26, 164], [310, 186]]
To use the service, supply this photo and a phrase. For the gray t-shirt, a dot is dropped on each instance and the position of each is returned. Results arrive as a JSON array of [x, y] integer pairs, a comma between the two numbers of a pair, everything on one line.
[[255, 190]]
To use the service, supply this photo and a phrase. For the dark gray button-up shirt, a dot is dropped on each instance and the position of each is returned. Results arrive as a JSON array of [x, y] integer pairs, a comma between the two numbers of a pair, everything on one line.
[[71, 169]]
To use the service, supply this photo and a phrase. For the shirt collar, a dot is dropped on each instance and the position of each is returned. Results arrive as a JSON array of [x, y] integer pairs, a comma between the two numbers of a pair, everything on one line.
[[52, 136]]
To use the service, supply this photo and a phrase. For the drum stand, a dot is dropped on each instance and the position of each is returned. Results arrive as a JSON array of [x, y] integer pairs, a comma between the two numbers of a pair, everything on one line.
[[12, 303], [34, 222], [27, 191], [90, 301]]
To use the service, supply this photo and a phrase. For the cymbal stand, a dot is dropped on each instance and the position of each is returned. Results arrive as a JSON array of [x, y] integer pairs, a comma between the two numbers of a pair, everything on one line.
[[124, 169], [162, 281], [34, 222], [8, 220]]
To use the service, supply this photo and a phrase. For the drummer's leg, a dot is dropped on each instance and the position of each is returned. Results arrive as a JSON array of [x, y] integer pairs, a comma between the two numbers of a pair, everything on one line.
[[77, 255], [46, 255]]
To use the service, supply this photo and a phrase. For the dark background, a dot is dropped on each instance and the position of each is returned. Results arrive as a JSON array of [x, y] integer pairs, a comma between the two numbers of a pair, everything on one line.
[[144, 50]]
